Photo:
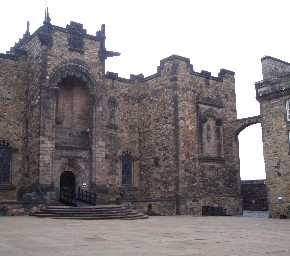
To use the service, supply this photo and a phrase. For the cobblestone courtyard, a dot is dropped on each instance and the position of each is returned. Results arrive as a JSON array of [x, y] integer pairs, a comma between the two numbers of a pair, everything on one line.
[[171, 235]]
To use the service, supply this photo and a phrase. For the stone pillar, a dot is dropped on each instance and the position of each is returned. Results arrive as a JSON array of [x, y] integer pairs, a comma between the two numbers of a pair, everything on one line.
[[98, 173], [47, 138]]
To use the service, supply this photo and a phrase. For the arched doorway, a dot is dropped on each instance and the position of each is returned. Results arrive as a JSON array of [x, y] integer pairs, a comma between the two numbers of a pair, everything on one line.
[[252, 165], [68, 182]]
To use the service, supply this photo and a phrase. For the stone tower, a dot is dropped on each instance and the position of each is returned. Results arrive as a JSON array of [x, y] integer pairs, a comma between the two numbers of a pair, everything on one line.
[[273, 93]]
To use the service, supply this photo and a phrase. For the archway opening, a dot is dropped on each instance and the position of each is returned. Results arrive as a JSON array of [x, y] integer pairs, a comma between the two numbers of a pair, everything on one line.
[[68, 182], [252, 171], [252, 165]]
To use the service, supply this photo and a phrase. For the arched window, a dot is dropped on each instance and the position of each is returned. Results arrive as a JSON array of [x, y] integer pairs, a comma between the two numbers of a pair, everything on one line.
[[127, 169], [5, 162]]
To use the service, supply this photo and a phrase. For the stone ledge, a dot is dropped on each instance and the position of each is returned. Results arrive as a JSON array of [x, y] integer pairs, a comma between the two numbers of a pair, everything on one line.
[[7, 187]]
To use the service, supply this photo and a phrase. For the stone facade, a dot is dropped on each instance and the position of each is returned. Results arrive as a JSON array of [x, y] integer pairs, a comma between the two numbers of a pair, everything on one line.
[[170, 139], [273, 93]]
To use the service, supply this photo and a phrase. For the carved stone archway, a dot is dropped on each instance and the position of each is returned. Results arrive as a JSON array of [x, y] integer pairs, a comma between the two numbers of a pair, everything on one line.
[[76, 69]]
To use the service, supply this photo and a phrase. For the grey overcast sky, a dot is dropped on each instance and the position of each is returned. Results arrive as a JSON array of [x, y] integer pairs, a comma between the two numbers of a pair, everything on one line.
[[213, 34]]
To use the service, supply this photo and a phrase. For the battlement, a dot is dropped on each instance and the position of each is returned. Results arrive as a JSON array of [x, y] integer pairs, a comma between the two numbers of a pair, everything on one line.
[[275, 79], [273, 68], [173, 71]]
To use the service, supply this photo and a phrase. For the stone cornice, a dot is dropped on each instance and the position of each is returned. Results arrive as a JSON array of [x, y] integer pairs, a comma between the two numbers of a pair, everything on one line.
[[274, 88]]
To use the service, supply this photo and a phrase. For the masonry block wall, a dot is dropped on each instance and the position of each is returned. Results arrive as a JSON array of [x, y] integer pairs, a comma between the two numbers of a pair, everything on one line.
[[12, 93], [168, 138], [273, 93]]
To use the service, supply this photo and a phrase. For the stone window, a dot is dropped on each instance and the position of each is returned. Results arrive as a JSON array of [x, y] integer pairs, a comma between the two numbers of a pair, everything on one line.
[[156, 161], [127, 166], [288, 110], [112, 115], [289, 141], [5, 162]]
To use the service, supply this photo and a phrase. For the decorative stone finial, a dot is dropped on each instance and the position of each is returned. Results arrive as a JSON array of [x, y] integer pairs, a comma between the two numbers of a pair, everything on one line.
[[27, 27], [45, 34], [46, 16]]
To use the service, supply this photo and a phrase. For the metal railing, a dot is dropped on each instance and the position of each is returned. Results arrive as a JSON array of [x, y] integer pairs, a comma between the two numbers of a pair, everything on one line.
[[87, 196], [68, 198]]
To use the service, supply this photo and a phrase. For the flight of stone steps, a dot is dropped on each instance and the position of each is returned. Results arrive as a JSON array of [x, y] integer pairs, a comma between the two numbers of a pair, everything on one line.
[[97, 212]]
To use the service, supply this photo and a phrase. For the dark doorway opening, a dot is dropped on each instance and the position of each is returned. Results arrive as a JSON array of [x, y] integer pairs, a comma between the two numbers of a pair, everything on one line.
[[68, 182]]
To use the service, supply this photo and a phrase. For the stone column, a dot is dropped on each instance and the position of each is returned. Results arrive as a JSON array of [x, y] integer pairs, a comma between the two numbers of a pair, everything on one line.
[[98, 173], [47, 138]]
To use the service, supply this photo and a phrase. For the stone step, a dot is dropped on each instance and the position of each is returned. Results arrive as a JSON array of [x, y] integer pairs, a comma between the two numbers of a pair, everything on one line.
[[81, 214], [89, 212], [72, 211], [86, 209], [124, 217]]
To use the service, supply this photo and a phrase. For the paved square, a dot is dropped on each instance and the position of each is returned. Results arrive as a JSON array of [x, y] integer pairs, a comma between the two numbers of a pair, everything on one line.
[[170, 235]]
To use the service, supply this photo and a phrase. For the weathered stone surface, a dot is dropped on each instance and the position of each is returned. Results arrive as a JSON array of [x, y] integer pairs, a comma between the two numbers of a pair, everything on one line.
[[272, 94], [10, 208], [172, 135]]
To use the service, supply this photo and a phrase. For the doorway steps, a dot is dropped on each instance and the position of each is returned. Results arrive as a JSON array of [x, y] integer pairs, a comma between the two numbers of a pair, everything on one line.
[[98, 212]]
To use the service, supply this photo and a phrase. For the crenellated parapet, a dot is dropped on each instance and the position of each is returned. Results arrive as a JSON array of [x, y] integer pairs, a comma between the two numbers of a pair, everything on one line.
[[163, 69]]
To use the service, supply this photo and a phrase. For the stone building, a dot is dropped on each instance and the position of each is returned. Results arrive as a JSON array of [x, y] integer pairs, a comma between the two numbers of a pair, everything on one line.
[[170, 139], [273, 93]]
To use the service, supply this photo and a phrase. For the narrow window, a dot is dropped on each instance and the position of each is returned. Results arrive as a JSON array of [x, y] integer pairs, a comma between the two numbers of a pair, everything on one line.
[[112, 107], [127, 169], [288, 110], [5, 163], [289, 140]]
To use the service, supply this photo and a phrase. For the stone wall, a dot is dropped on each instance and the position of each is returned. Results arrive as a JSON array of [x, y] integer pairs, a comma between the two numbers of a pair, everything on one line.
[[273, 68], [272, 96], [31, 125], [175, 127], [157, 138], [121, 131], [18, 208], [12, 105]]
